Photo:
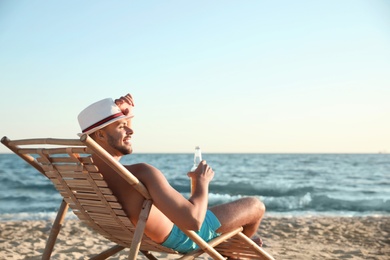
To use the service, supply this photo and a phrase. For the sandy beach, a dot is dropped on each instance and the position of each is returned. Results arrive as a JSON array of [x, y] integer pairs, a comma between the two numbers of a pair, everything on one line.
[[284, 238]]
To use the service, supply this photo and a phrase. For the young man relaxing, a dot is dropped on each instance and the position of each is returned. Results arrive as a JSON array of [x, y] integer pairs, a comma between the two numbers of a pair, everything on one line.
[[109, 123]]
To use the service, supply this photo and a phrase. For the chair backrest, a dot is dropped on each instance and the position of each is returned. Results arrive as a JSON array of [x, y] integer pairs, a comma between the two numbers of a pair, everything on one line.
[[69, 165]]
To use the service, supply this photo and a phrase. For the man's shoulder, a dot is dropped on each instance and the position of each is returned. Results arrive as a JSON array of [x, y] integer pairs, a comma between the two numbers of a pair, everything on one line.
[[141, 167]]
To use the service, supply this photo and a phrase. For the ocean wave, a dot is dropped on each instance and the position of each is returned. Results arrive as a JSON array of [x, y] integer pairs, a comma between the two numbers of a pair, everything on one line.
[[286, 183], [34, 216], [247, 189], [326, 203], [308, 202], [303, 205], [25, 185], [266, 190]]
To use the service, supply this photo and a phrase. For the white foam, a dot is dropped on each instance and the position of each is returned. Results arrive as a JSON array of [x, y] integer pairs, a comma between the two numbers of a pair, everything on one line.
[[33, 216]]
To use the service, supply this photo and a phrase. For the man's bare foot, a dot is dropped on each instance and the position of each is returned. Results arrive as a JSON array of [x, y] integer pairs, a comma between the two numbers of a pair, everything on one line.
[[258, 241]]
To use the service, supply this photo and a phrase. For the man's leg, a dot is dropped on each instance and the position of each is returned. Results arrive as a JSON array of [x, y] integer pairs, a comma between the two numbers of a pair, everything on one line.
[[245, 212]]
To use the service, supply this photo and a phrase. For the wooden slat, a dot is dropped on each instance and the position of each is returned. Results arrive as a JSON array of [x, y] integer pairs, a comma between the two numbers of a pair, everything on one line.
[[93, 196], [121, 236], [96, 175], [47, 168], [68, 200], [126, 221], [62, 159], [114, 205], [113, 229], [60, 188], [74, 183], [86, 159], [51, 172], [89, 208], [110, 226], [101, 184], [69, 175], [46, 141], [100, 218], [48, 151], [81, 216], [76, 175], [106, 191], [84, 183], [91, 168], [79, 184], [68, 167]]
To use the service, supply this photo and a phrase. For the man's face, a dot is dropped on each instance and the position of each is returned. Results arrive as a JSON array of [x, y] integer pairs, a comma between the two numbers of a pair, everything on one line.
[[118, 137]]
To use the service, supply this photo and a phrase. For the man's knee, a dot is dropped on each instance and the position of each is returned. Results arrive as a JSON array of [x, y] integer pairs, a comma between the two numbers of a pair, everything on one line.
[[256, 205]]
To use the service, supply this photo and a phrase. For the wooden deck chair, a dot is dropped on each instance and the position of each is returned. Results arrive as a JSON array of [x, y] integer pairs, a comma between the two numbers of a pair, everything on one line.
[[69, 165]]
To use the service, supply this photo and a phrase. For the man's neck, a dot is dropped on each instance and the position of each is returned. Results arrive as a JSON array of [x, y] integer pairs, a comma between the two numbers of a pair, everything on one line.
[[97, 160]]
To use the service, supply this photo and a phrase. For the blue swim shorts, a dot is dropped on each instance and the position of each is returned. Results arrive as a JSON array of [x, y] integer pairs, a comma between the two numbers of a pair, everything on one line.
[[180, 242]]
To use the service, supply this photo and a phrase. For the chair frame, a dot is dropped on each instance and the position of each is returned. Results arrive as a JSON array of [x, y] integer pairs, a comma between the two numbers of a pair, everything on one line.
[[216, 248]]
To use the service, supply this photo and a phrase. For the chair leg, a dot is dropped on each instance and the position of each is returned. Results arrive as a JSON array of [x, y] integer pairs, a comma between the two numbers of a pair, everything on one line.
[[139, 230], [213, 243], [203, 245], [148, 255], [107, 253], [55, 230], [255, 247]]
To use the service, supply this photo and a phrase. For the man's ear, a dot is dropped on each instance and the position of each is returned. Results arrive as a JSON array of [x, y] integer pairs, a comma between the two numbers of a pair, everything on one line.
[[99, 134]]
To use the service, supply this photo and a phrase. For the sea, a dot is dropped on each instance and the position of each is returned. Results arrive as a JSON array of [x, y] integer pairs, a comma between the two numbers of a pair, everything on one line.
[[288, 184]]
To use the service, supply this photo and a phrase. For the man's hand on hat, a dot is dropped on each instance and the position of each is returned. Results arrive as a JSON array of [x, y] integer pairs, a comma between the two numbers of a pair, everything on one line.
[[125, 103]]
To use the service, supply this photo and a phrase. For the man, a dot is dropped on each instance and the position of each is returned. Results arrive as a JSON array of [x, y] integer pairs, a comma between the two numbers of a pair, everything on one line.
[[109, 123]]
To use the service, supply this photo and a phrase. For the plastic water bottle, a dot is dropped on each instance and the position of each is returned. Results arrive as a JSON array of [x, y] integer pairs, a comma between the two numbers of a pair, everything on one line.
[[197, 160]]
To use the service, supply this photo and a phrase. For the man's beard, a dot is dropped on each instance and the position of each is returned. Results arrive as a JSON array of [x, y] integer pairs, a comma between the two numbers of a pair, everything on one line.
[[123, 149]]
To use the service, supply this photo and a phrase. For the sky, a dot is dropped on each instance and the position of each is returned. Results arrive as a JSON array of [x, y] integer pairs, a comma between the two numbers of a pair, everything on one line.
[[229, 76]]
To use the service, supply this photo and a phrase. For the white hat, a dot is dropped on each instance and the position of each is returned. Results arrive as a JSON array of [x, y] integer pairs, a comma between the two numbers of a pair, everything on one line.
[[99, 115]]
